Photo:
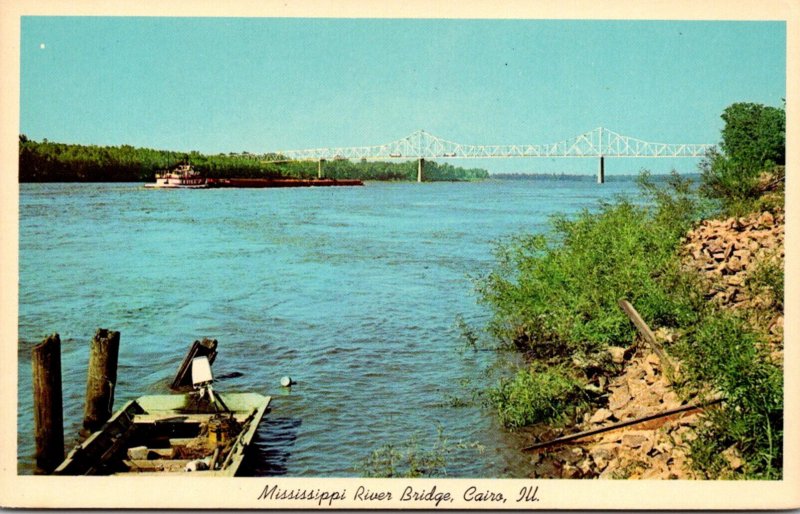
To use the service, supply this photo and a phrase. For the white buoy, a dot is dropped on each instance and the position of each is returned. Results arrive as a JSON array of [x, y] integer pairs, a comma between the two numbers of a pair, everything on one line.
[[286, 382]]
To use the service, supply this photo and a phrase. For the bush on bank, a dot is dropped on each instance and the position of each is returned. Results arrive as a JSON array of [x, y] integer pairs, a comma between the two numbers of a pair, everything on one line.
[[556, 297], [723, 355], [536, 394]]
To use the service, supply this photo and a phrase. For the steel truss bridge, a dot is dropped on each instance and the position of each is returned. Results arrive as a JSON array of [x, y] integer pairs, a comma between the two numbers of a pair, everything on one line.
[[598, 143]]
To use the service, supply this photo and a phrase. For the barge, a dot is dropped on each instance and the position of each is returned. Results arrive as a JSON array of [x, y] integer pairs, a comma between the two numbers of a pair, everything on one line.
[[281, 182]]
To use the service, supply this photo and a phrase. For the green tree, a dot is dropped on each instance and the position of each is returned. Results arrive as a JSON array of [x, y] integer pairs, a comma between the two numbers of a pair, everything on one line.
[[753, 143], [754, 135]]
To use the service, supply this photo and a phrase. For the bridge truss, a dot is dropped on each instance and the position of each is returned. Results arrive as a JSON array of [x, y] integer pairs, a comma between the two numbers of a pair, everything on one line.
[[600, 142]]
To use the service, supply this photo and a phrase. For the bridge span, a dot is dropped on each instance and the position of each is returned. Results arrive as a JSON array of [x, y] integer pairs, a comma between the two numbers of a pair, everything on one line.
[[421, 145]]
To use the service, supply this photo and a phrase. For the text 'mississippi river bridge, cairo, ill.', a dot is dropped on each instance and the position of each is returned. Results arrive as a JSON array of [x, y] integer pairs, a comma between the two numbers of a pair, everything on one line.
[[421, 145]]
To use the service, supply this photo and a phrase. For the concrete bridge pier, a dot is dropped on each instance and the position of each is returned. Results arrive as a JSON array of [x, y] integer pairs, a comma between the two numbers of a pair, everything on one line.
[[420, 167], [319, 168], [601, 171]]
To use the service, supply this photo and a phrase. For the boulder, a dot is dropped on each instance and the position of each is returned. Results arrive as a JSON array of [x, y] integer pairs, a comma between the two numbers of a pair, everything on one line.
[[635, 439], [766, 219], [600, 415], [733, 458], [617, 354], [601, 455]]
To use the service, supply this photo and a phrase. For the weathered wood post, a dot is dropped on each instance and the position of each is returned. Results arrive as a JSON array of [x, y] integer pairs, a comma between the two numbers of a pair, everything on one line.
[[319, 168], [48, 416], [420, 169], [648, 336], [101, 379]]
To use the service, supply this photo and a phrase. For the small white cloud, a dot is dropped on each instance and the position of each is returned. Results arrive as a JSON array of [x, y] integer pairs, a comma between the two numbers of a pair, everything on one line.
[[41, 45]]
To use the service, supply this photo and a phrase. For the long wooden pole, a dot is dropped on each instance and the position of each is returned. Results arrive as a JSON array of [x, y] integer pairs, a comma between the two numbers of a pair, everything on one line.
[[621, 424], [48, 415], [101, 379]]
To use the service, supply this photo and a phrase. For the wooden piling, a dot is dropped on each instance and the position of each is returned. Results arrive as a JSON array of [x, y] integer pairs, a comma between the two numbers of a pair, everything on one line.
[[601, 171], [204, 348], [48, 416], [101, 379]]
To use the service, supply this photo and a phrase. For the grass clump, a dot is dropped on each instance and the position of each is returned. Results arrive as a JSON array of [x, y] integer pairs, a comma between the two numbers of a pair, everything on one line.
[[766, 281], [409, 459], [535, 394], [727, 357]]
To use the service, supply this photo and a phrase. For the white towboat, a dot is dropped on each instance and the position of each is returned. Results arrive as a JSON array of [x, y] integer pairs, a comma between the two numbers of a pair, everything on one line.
[[181, 177]]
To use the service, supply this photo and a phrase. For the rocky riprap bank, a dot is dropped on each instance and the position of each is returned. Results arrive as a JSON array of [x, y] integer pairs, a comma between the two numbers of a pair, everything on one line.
[[725, 253]]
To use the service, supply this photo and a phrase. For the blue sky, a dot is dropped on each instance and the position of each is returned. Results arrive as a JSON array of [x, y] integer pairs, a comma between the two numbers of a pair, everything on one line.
[[233, 84]]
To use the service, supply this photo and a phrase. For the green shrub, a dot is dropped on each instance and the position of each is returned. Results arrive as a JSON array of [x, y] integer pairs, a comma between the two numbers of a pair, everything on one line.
[[728, 357], [766, 278], [534, 395], [556, 298]]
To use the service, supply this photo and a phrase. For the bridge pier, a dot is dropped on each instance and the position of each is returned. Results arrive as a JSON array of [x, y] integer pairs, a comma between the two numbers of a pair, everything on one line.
[[601, 171], [420, 167], [319, 168]]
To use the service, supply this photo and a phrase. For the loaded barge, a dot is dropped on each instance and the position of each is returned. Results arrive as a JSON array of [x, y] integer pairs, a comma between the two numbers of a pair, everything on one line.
[[281, 182]]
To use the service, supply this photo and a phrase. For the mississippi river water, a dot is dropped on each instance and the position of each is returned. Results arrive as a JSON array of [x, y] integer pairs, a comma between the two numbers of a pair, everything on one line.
[[351, 291]]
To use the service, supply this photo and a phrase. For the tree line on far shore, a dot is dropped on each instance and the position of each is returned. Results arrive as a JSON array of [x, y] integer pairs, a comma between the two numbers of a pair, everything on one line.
[[47, 161]]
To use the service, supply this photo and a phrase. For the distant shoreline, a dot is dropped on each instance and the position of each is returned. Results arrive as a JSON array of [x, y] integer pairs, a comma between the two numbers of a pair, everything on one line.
[[48, 161], [578, 176]]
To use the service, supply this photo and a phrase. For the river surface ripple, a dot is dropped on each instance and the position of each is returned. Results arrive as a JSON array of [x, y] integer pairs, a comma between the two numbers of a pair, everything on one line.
[[352, 291]]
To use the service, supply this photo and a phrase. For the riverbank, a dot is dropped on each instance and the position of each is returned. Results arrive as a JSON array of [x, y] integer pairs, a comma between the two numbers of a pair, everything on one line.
[[730, 256]]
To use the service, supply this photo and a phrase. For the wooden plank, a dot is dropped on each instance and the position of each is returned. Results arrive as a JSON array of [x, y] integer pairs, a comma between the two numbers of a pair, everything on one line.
[[175, 442], [177, 418], [647, 334], [155, 465]]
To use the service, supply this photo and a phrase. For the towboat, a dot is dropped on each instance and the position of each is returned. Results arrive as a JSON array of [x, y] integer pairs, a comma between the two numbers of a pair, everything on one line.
[[181, 177], [202, 432]]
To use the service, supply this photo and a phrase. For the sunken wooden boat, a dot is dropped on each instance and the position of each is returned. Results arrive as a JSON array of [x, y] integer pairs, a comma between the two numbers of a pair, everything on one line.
[[172, 434]]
